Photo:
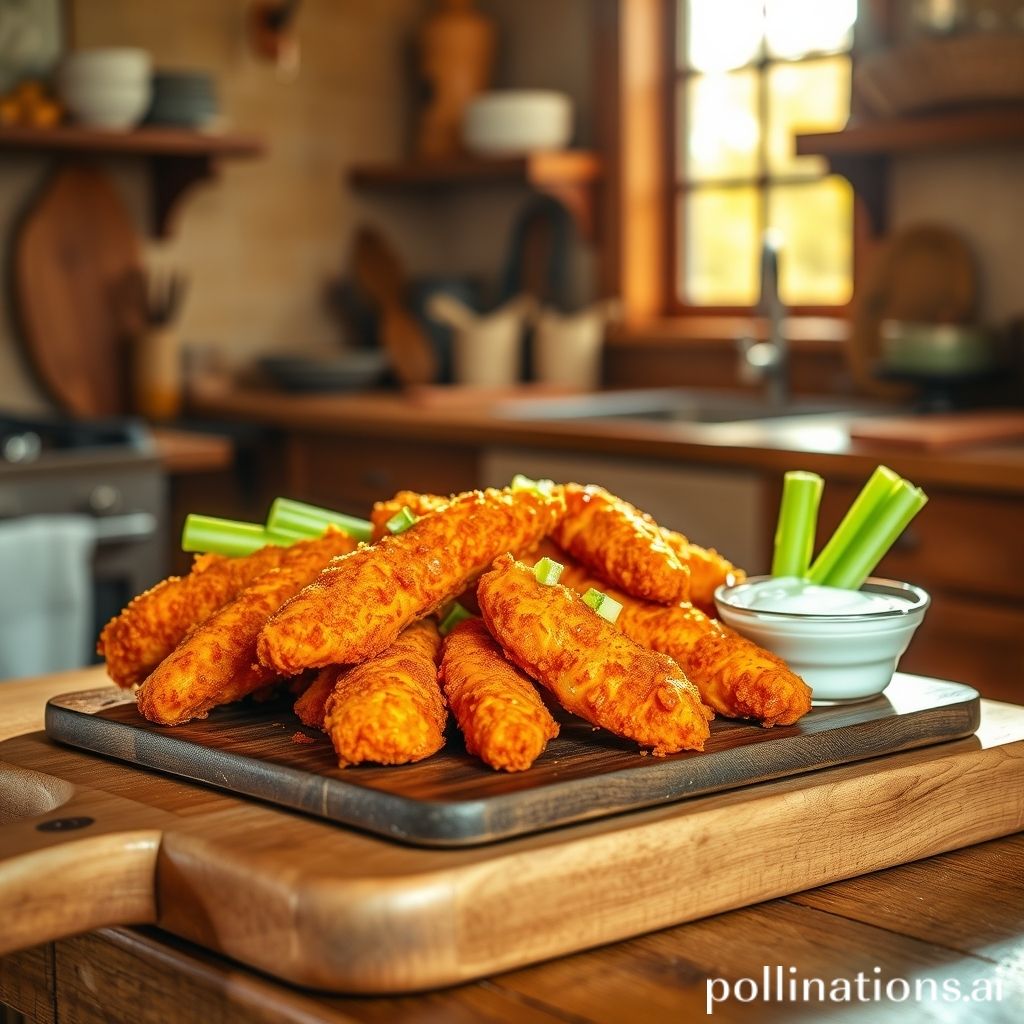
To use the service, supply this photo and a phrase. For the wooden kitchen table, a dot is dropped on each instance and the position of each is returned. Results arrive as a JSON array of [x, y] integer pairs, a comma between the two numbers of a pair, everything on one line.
[[956, 919]]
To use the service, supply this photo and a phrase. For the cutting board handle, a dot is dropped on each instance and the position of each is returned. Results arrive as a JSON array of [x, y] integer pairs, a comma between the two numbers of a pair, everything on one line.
[[73, 867]]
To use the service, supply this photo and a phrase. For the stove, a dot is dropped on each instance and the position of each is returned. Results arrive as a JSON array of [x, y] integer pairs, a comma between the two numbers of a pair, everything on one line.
[[106, 469]]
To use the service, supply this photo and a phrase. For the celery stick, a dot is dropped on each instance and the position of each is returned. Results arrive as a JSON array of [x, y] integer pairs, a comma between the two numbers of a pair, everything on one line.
[[870, 545], [311, 521], [548, 571], [605, 606], [455, 615], [865, 506], [798, 518], [401, 520], [229, 537]]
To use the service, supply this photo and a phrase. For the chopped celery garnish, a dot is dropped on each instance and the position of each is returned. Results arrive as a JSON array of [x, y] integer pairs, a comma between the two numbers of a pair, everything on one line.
[[229, 537], [310, 521], [876, 536], [548, 571], [798, 518], [605, 606], [455, 615], [542, 488], [865, 507], [401, 520]]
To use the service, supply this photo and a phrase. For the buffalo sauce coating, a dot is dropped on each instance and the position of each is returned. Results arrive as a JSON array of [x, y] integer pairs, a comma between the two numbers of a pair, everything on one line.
[[592, 669]]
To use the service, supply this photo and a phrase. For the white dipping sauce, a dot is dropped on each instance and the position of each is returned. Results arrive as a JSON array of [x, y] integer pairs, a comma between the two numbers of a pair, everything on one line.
[[795, 596]]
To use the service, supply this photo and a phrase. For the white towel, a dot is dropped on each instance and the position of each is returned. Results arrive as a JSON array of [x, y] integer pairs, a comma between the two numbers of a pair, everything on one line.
[[46, 596]]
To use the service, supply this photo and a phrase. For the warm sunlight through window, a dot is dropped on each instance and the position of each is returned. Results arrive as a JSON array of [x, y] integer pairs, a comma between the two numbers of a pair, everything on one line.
[[750, 74]]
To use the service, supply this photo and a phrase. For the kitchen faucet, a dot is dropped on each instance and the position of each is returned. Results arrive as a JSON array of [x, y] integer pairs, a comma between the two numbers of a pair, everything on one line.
[[768, 360]]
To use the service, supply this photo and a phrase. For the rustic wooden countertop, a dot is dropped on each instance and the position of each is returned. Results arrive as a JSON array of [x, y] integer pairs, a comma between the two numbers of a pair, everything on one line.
[[955, 921], [821, 445]]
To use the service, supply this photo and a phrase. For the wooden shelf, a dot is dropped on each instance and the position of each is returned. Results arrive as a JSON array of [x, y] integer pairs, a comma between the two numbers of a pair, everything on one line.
[[178, 159], [861, 151], [569, 175]]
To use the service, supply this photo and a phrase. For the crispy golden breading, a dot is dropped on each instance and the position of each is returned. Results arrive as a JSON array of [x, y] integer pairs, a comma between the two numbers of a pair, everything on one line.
[[735, 677], [390, 709], [153, 624], [418, 504], [311, 704], [359, 604], [216, 663], [593, 670], [500, 713], [708, 569], [621, 544]]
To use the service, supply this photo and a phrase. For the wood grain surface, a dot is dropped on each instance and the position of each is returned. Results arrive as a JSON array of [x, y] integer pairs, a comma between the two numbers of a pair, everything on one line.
[[452, 799], [332, 908]]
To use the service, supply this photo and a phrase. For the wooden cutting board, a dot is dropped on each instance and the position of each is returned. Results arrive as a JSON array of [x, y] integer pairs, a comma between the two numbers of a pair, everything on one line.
[[942, 432], [73, 252], [452, 799], [88, 841]]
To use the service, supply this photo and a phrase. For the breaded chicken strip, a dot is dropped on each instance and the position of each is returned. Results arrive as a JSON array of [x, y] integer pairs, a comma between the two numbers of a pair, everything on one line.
[[621, 544], [708, 569], [151, 626], [500, 713], [311, 705], [735, 677], [390, 710], [418, 504], [360, 603], [216, 663], [593, 670]]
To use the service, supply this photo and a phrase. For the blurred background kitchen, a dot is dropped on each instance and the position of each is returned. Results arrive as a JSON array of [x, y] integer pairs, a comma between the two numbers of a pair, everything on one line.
[[333, 248]]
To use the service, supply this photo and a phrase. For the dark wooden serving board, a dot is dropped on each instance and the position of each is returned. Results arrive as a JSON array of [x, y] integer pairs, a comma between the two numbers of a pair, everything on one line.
[[451, 799]]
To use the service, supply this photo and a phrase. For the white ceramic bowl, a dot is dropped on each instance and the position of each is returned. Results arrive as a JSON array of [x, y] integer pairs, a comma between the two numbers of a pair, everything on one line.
[[843, 658], [108, 64], [515, 121], [107, 106]]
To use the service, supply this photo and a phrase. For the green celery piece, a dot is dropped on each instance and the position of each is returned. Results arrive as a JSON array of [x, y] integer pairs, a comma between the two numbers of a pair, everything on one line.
[[311, 521], [864, 508], [548, 571], [798, 519], [228, 536], [607, 607], [401, 520], [455, 615], [859, 559]]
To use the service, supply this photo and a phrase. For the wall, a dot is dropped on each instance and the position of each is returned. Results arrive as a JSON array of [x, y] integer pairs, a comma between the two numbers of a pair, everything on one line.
[[260, 244]]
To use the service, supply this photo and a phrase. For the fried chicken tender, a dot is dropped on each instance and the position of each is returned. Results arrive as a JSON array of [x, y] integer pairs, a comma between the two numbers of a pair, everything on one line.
[[390, 709], [153, 624], [593, 670], [708, 569], [359, 604], [418, 504], [311, 704], [216, 663], [735, 677], [621, 544], [497, 707]]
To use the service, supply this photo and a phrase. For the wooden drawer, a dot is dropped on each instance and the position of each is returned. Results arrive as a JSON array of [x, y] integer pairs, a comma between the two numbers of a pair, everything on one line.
[[975, 642], [350, 476], [961, 542]]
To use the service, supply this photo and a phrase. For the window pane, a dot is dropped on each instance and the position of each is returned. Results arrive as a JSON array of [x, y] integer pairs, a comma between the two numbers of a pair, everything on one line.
[[721, 252], [794, 28], [723, 129], [718, 35], [815, 221], [811, 96]]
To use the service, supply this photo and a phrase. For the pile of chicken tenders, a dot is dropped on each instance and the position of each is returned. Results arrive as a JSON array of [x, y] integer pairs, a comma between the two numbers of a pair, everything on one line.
[[352, 629]]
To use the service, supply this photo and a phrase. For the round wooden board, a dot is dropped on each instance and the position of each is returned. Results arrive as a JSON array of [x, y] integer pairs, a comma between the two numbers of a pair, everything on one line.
[[923, 274], [72, 255]]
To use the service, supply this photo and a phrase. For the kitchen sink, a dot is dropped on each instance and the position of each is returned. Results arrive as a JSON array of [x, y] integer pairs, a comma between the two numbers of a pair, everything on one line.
[[669, 405]]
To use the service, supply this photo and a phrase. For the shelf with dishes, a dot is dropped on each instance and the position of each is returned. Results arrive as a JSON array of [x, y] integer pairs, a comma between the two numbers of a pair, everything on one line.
[[569, 175]]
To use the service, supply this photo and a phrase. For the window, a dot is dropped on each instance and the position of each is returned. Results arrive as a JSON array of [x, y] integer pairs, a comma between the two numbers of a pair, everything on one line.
[[747, 75]]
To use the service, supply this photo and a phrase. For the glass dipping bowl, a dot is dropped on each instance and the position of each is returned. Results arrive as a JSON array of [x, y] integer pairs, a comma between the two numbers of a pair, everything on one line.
[[842, 657]]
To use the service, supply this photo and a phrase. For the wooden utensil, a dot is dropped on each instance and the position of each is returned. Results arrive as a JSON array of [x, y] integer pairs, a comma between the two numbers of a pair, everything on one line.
[[72, 253], [923, 274], [335, 908], [379, 273]]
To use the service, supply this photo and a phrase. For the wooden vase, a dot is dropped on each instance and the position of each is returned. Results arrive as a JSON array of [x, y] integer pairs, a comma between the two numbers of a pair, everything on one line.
[[456, 57]]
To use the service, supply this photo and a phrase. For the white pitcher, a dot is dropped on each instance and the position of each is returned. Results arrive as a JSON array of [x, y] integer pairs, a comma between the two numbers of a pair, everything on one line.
[[567, 347]]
